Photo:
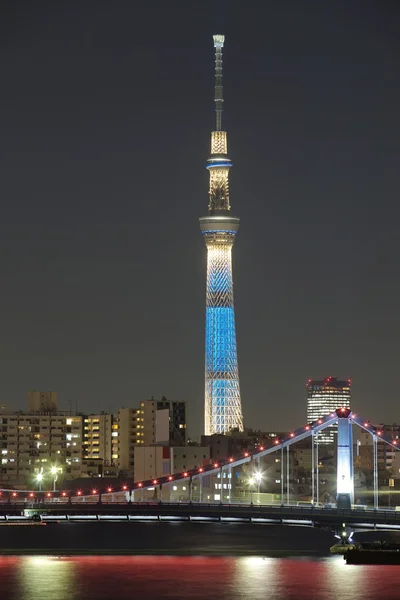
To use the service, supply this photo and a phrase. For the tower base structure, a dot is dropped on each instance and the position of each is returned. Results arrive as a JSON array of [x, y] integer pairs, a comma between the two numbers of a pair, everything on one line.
[[223, 410]]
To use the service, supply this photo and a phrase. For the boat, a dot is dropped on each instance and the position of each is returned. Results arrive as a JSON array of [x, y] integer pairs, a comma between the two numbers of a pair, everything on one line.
[[342, 548], [374, 553]]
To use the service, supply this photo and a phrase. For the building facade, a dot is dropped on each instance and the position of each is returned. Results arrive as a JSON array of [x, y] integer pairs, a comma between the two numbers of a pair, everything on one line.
[[223, 408], [97, 437], [42, 401], [33, 443], [129, 426], [79, 446], [325, 396], [156, 461], [164, 422]]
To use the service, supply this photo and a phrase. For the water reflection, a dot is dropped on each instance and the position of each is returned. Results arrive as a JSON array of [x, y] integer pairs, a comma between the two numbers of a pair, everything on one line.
[[194, 578], [256, 577], [46, 577]]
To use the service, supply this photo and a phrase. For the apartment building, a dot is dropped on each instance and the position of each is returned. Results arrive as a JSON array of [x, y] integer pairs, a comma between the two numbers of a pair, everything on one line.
[[161, 422], [82, 445], [164, 422], [34, 443], [129, 427], [98, 438]]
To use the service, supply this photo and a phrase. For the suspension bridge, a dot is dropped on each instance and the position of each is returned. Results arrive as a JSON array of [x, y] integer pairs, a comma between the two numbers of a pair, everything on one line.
[[131, 502]]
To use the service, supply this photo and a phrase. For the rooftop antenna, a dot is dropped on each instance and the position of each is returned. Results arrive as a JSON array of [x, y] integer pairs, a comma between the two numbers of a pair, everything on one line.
[[219, 89]]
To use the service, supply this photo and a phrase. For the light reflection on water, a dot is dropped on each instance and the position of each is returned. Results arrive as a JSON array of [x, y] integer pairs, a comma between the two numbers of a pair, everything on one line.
[[194, 578]]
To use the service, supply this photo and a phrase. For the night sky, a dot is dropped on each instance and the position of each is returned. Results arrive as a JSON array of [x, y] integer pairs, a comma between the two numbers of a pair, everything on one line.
[[105, 114]]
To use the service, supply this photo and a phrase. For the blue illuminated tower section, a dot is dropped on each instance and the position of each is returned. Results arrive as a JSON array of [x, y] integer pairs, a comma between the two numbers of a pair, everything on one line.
[[223, 408]]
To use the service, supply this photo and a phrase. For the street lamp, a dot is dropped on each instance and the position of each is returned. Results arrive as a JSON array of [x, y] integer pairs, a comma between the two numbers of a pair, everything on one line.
[[251, 483], [258, 478], [54, 472], [39, 479]]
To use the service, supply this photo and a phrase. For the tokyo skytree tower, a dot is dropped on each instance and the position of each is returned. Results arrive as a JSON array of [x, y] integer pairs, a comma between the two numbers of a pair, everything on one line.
[[223, 409]]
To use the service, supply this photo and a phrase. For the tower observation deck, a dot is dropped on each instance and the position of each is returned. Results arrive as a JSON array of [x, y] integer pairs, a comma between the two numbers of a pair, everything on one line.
[[223, 409]]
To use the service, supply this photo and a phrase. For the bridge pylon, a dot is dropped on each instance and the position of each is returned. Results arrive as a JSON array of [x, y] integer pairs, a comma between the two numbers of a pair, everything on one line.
[[345, 478]]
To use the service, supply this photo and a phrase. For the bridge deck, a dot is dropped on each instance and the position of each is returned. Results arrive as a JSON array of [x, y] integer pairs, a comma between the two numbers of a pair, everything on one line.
[[318, 517]]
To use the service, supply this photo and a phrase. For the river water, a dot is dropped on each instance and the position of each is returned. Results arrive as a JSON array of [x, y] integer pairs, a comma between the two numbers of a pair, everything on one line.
[[193, 578]]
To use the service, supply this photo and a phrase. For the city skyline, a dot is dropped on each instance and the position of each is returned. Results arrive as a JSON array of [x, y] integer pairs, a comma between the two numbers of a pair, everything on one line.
[[102, 264]]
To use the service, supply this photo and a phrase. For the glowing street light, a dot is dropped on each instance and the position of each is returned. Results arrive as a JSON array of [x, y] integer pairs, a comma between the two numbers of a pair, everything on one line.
[[39, 479], [258, 477], [54, 471]]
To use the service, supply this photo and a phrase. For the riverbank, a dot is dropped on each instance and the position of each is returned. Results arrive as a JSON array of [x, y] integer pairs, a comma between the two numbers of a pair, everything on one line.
[[181, 539], [173, 539]]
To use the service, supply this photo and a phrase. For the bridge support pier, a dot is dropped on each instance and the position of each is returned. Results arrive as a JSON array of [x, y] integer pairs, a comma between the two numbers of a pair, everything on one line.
[[287, 475], [345, 480], [376, 487]]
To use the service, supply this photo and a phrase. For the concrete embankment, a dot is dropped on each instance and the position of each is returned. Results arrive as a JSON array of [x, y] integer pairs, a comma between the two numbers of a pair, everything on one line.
[[164, 538]]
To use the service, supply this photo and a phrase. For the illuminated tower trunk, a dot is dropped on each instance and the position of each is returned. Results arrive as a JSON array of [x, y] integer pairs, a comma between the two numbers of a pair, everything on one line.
[[223, 409]]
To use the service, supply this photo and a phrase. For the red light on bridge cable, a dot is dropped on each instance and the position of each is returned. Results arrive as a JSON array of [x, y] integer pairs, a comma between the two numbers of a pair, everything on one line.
[[109, 489], [31, 495], [379, 433], [366, 424], [276, 442], [124, 487], [63, 494], [201, 470], [394, 442], [320, 421], [261, 448], [216, 465], [94, 492], [307, 428], [170, 478], [79, 493], [140, 484], [185, 474], [231, 459], [48, 495], [246, 454], [14, 494], [155, 481], [291, 435]]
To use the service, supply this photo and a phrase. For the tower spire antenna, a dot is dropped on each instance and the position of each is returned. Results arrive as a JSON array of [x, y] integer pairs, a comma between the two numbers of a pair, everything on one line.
[[219, 88]]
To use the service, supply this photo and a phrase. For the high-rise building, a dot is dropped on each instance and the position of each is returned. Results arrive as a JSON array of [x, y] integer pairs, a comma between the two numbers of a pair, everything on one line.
[[223, 409], [324, 397], [164, 422], [42, 401], [97, 437], [129, 427], [161, 422]]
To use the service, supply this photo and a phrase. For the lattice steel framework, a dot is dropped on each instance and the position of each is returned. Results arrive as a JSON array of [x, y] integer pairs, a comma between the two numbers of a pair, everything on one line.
[[223, 410]]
